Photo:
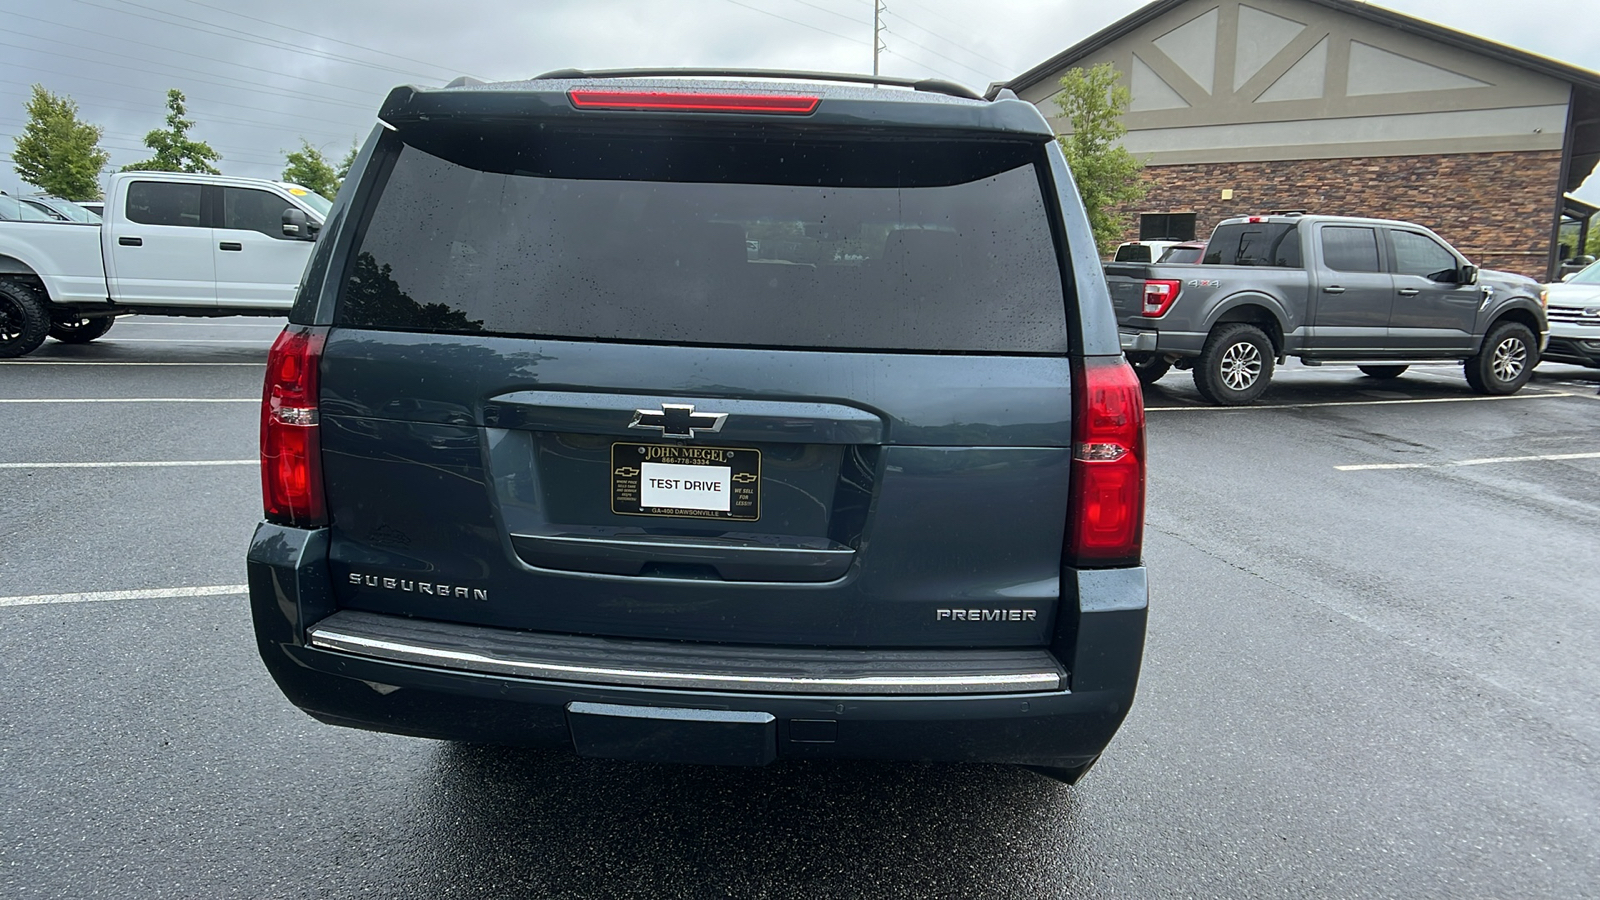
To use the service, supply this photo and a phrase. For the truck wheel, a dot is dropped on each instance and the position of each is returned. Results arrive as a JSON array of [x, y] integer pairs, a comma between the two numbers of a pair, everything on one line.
[[79, 329], [1235, 366], [24, 319], [1506, 361], [1383, 373], [1149, 367]]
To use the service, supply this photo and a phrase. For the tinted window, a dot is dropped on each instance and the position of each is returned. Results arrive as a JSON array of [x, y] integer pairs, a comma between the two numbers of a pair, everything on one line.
[[1416, 254], [736, 256], [164, 203], [1274, 244], [1182, 254], [251, 210], [1133, 253], [1348, 249]]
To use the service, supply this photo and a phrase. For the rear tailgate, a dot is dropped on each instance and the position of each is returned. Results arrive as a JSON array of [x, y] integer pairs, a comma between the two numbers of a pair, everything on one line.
[[576, 392], [463, 488], [1126, 283]]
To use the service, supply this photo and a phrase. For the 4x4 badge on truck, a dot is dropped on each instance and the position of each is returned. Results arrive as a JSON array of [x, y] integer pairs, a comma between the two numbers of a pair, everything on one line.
[[678, 420]]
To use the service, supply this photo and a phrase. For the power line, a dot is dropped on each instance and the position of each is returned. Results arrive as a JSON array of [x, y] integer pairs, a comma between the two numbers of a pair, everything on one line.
[[920, 63], [226, 151], [776, 16], [192, 97], [327, 38], [101, 101], [980, 72], [292, 95], [167, 50], [236, 34], [828, 11], [939, 15], [962, 47]]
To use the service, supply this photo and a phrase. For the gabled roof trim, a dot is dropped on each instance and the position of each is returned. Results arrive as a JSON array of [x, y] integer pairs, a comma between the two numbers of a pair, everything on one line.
[[1144, 15]]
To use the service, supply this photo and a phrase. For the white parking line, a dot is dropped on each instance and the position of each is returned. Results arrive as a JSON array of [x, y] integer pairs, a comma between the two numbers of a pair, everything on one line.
[[129, 400], [126, 323], [156, 464], [215, 590], [1523, 396], [1488, 460], [74, 362]]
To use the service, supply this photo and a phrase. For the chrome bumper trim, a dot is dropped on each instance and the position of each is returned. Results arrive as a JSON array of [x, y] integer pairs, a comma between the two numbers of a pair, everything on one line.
[[326, 638]]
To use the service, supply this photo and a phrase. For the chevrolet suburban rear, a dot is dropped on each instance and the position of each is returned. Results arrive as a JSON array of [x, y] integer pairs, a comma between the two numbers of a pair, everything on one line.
[[703, 421]]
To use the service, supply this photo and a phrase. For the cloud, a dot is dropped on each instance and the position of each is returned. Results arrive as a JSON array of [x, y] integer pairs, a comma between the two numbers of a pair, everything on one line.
[[255, 89]]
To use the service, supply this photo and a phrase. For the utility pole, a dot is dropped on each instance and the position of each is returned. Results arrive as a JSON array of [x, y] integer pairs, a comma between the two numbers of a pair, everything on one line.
[[877, 26]]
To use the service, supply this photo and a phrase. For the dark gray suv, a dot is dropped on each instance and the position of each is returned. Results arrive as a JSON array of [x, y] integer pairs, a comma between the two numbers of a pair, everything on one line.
[[670, 418]]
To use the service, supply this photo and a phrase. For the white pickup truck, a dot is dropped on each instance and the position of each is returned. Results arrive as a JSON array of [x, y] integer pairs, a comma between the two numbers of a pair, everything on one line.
[[171, 244]]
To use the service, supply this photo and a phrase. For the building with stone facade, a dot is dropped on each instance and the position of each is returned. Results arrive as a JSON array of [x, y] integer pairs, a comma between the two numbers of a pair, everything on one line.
[[1331, 106]]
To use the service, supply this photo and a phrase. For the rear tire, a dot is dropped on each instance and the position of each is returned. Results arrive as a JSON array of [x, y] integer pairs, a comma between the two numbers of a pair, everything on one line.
[[1236, 365], [1506, 361], [24, 319], [1149, 367], [71, 329], [1383, 373]]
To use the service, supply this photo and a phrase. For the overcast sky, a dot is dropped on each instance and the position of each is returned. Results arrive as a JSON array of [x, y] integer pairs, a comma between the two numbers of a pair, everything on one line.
[[260, 76]]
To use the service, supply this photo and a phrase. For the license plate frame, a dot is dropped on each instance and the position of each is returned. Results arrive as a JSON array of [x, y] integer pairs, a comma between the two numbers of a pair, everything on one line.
[[626, 479]]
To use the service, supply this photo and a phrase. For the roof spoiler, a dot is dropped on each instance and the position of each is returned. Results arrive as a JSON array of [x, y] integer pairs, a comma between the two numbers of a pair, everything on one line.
[[928, 85]]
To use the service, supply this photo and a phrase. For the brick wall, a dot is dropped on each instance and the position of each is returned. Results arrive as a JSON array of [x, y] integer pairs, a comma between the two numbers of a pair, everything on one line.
[[1494, 207]]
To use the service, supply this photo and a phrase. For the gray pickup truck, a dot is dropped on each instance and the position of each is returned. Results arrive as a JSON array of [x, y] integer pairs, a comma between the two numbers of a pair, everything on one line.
[[1377, 293]]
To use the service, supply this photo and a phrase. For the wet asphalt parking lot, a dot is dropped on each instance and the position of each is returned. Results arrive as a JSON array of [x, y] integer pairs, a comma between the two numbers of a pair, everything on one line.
[[1373, 670]]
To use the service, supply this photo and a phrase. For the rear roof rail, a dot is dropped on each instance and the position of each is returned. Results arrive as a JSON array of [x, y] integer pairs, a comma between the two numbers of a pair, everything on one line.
[[929, 85]]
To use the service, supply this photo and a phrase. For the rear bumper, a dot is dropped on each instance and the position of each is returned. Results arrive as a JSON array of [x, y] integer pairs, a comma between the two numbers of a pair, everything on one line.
[[1100, 642], [1147, 340]]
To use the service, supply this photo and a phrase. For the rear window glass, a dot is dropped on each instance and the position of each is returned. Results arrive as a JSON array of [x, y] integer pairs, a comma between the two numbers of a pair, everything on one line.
[[1138, 253], [1347, 249], [1273, 244], [730, 255], [164, 203]]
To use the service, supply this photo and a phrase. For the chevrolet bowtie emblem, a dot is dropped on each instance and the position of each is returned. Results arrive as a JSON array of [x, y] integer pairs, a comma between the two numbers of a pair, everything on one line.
[[678, 420], [744, 477]]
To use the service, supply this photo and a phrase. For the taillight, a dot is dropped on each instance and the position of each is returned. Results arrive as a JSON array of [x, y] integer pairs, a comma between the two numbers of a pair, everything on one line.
[[779, 104], [291, 450], [1105, 509], [1158, 297]]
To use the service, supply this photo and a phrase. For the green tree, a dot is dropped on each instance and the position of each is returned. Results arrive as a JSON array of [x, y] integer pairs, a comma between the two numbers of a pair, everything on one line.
[[1107, 174], [309, 168], [174, 150], [348, 161], [58, 153]]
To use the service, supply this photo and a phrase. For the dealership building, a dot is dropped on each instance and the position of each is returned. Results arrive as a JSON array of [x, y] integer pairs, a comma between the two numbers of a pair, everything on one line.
[[1331, 106]]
